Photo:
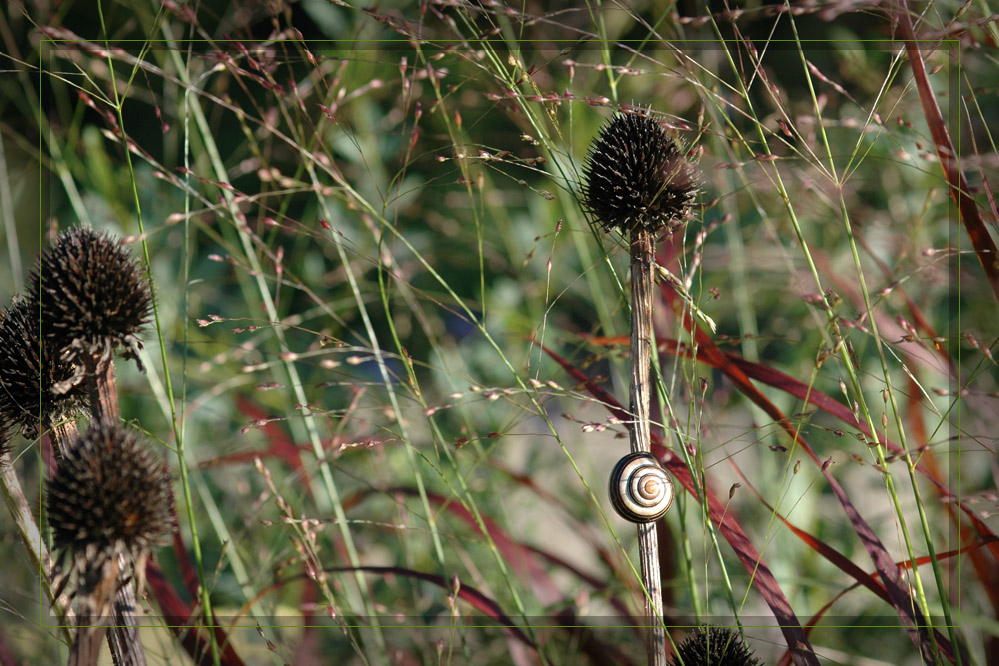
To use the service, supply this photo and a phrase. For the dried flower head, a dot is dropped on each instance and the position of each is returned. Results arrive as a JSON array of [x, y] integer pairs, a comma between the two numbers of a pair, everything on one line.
[[29, 371], [714, 646], [94, 296], [110, 496], [637, 175]]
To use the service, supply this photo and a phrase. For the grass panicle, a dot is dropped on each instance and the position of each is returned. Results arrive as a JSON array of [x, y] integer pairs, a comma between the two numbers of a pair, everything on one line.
[[389, 351]]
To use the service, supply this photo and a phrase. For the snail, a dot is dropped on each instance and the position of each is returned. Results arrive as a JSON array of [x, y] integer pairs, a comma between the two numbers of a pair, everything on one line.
[[640, 489]]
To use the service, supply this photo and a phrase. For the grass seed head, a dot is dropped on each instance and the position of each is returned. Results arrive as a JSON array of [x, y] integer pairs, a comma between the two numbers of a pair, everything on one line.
[[637, 175], [714, 646], [94, 296], [110, 496], [30, 371]]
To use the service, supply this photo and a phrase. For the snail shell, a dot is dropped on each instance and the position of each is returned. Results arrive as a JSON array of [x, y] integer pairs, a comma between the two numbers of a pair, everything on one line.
[[640, 489]]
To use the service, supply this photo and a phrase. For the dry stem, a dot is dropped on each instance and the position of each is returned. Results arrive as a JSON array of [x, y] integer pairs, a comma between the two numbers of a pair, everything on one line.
[[642, 284], [123, 639]]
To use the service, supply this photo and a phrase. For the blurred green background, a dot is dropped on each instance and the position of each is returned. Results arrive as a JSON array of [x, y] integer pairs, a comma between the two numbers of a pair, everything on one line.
[[361, 223]]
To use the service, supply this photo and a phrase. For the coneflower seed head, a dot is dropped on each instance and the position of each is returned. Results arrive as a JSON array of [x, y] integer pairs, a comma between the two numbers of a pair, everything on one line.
[[636, 175], [714, 646], [94, 296], [110, 496], [29, 372]]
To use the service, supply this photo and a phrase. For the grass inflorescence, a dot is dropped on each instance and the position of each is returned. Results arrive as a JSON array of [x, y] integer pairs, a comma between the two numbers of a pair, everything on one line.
[[387, 358]]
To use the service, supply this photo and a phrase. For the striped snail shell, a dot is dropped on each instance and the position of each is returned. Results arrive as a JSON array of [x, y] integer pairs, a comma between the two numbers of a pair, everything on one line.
[[640, 489]]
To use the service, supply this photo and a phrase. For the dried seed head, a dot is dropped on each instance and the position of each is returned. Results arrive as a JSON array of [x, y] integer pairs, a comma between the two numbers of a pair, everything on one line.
[[714, 646], [110, 496], [636, 175], [94, 297], [30, 371]]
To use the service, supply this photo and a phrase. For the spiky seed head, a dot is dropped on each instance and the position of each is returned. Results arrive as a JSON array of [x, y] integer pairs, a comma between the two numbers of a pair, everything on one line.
[[93, 295], [110, 496], [714, 646], [637, 175], [29, 372]]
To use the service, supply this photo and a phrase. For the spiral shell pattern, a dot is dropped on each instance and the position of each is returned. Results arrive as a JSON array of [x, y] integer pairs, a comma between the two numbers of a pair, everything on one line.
[[640, 489]]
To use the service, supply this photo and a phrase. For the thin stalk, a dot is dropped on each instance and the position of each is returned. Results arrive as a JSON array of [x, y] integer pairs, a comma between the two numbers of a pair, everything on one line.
[[103, 389], [27, 530], [10, 233], [93, 620], [123, 639], [89, 636], [777, 181], [642, 284], [331, 499], [178, 426], [62, 435]]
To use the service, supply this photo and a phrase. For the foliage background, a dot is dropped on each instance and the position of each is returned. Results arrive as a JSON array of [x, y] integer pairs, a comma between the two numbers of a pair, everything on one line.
[[362, 224]]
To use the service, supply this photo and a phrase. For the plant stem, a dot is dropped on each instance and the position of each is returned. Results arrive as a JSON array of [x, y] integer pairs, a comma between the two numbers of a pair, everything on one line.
[[103, 390], [90, 633], [62, 435], [93, 620], [642, 284], [123, 639], [27, 529]]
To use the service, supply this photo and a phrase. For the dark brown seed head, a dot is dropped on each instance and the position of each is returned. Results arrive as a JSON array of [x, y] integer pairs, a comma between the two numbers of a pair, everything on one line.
[[94, 297], [714, 646], [110, 496], [637, 176], [29, 372]]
